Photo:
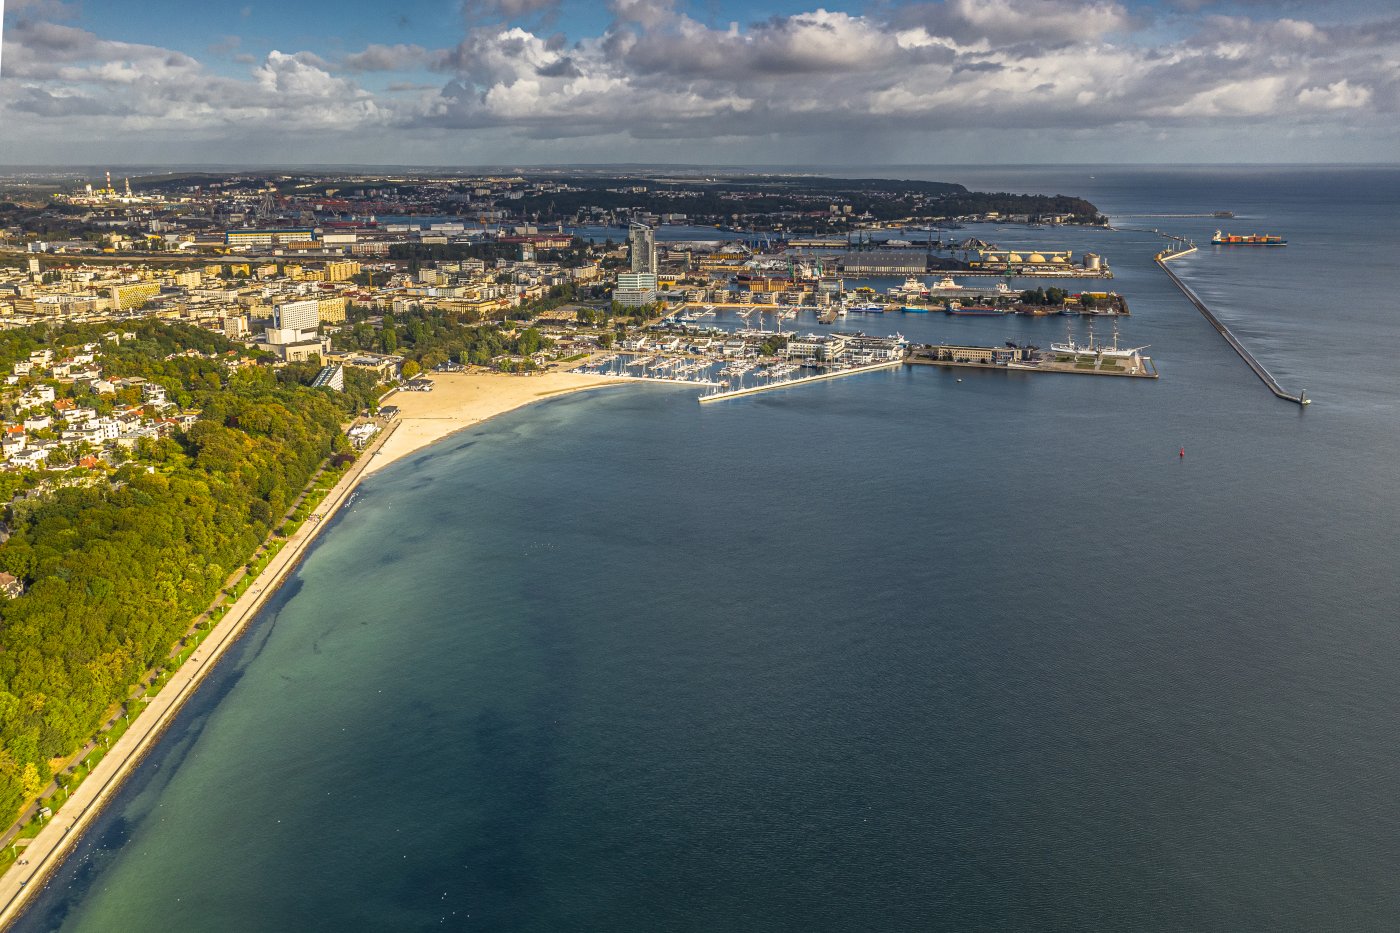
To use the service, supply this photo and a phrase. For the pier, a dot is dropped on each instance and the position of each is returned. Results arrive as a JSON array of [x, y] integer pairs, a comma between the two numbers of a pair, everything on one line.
[[664, 380], [792, 383], [1089, 361], [1264, 375], [1180, 246]]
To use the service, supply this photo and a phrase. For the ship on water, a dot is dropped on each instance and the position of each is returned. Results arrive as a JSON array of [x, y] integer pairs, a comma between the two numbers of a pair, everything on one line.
[[972, 310], [1250, 239], [1098, 350]]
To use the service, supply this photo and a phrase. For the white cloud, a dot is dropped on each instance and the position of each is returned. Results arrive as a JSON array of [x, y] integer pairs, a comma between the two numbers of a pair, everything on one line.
[[1244, 98], [810, 81], [1339, 95], [1010, 21]]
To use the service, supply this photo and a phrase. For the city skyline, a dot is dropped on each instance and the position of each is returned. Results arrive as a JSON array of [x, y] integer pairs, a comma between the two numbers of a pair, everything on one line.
[[536, 82]]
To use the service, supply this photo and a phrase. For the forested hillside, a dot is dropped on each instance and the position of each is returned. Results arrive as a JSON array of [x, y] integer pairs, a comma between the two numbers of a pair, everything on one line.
[[117, 564]]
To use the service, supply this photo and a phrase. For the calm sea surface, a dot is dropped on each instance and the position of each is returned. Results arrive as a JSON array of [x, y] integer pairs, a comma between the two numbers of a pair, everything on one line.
[[894, 652]]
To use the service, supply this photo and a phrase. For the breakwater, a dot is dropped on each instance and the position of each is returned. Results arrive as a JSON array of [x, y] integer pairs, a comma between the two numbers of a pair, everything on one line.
[[1264, 375]]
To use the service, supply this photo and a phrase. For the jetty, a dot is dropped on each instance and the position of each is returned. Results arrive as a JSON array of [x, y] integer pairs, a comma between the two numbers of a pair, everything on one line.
[[664, 380], [793, 383], [1264, 375], [1180, 246]]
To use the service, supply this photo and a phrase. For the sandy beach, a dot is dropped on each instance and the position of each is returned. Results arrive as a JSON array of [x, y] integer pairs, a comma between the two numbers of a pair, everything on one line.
[[460, 400]]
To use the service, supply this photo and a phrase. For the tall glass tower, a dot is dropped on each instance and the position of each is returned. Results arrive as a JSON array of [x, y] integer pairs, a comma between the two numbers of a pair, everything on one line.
[[643, 242]]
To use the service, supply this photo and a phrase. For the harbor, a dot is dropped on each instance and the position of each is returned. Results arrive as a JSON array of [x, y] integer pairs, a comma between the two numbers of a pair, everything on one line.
[[916, 298], [735, 364]]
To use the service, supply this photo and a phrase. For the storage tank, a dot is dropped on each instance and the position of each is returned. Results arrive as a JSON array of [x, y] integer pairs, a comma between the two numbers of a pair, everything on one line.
[[1093, 262]]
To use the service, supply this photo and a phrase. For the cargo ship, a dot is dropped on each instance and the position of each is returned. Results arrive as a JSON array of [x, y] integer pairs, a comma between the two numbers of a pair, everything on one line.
[[1252, 239]]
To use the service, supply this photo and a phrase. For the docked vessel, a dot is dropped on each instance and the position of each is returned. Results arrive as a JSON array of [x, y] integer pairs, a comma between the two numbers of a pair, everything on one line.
[[1251, 239], [962, 310], [1103, 351], [913, 289]]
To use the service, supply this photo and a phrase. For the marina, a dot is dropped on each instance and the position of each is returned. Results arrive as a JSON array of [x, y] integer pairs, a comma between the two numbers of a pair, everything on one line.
[[744, 362], [735, 350], [835, 373]]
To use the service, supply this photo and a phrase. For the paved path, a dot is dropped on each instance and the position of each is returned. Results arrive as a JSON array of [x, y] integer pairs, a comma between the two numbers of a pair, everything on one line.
[[52, 843]]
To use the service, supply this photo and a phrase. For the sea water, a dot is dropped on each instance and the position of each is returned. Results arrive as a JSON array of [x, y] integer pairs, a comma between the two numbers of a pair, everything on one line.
[[919, 649]]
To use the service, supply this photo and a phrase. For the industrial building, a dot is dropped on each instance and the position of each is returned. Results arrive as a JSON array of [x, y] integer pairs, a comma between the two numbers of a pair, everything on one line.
[[883, 262]]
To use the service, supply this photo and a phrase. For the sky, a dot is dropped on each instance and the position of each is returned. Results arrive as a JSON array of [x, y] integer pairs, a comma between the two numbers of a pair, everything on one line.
[[712, 82]]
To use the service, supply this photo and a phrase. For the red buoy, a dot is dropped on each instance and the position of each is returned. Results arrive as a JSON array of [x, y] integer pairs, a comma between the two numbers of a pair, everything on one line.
[[1182, 453]]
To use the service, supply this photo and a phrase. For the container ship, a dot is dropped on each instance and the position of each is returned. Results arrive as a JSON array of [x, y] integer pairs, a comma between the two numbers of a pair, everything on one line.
[[1253, 239]]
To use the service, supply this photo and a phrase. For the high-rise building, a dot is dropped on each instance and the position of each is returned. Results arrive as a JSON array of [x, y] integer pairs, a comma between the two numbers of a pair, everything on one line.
[[643, 242], [341, 271], [127, 297], [332, 309], [635, 289], [297, 315]]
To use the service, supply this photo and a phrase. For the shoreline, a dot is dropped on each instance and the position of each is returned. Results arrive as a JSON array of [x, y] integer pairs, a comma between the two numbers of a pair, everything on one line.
[[461, 400], [54, 842], [427, 418]]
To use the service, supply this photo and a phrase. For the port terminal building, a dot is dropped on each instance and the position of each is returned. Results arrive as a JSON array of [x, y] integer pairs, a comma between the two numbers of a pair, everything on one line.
[[883, 262], [950, 354]]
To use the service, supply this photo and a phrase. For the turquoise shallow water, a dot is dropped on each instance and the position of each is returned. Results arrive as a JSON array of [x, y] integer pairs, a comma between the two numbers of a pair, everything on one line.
[[888, 652]]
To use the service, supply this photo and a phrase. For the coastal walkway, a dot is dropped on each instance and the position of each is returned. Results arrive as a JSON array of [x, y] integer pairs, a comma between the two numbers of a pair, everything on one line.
[[793, 383], [48, 849], [1264, 375]]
